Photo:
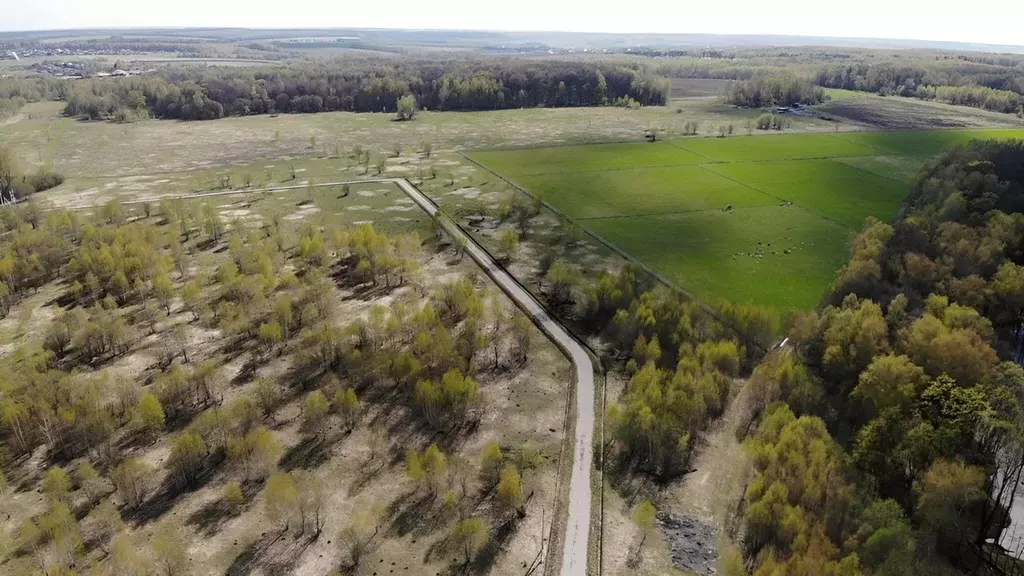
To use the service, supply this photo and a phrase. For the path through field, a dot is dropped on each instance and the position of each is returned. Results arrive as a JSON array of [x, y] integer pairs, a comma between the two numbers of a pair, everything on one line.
[[574, 554]]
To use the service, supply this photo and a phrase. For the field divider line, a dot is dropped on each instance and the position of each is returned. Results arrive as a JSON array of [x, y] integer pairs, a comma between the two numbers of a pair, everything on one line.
[[672, 213], [840, 159], [685, 149], [781, 199], [618, 169], [841, 139]]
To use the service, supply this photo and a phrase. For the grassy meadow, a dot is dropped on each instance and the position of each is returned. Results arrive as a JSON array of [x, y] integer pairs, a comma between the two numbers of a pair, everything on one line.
[[762, 220]]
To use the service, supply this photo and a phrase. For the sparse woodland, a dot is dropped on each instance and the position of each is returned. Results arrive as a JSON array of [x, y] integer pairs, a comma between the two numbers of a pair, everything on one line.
[[127, 288]]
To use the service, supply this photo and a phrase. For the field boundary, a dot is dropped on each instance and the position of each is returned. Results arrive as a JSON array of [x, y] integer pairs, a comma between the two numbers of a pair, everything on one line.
[[781, 199], [757, 133], [607, 244]]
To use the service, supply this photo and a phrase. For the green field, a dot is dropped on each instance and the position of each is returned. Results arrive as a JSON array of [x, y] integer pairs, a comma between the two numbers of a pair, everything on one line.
[[761, 220]]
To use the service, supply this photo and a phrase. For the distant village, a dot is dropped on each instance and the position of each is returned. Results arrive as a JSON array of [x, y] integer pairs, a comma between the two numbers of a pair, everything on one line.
[[72, 68]]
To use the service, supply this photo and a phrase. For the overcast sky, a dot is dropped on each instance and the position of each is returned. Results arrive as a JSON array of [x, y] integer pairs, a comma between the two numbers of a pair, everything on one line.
[[991, 22]]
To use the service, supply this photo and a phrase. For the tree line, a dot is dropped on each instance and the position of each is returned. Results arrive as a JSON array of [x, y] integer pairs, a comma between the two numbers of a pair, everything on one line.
[[17, 185], [774, 90], [193, 93], [890, 439]]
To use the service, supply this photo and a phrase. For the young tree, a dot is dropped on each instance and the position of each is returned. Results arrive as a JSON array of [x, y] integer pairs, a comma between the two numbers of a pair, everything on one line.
[[282, 497], [270, 335], [107, 521], [643, 517], [192, 297], [267, 396], [124, 558], [149, 414], [470, 536], [312, 497], [57, 485], [521, 337], [356, 536], [256, 453], [131, 480], [88, 480], [406, 107], [233, 495], [245, 413], [169, 553], [491, 462], [348, 406], [510, 489], [187, 457], [164, 291], [315, 413], [508, 244], [179, 339], [426, 147], [414, 467], [435, 468], [61, 527]]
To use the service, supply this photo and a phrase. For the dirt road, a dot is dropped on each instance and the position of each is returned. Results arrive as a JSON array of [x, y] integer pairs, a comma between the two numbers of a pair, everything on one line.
[[577, 531]]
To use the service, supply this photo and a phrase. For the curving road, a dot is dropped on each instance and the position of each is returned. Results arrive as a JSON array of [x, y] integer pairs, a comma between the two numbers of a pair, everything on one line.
[[577, 530]]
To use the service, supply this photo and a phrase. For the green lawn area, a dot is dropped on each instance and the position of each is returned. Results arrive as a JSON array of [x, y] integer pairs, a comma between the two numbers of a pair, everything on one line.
[[717, 254], [641, 191], [531, 161], [699, 222], [837, 191], [898, 168], [922, 143], [773, 147]]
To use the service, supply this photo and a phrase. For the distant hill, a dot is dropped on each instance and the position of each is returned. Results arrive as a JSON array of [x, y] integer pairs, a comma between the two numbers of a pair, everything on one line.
[[531, 41]]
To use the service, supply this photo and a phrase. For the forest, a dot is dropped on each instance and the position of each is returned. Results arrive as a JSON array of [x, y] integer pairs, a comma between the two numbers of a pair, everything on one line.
[[890, 438], [990, 81], [773, 90], [369, 85]]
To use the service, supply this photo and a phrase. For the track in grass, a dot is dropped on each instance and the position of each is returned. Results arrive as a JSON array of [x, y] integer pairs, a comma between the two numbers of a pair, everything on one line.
[[839, 192], [531, 161], [762, 220], [656, 190], [781, 256]]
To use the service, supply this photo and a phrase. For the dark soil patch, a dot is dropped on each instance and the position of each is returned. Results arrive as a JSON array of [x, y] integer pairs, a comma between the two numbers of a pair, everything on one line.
[[692, 541], [902, 114]]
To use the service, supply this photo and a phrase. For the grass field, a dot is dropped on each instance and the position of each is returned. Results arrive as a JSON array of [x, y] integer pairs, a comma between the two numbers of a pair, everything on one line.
[[761, 220]]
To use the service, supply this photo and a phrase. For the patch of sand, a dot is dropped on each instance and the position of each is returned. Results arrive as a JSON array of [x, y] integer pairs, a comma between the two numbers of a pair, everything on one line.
[[466, 192]]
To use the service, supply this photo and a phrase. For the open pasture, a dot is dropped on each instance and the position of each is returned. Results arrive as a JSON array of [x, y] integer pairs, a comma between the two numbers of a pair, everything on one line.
[[762, 220]]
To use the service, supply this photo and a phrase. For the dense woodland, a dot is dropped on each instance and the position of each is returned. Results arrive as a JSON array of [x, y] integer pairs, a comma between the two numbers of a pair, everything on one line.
[[363, 86], [773, 90], [890, 440]]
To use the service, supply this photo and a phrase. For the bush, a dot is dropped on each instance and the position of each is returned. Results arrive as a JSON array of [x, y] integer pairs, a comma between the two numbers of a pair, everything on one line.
[[44, 180], [770, 122]]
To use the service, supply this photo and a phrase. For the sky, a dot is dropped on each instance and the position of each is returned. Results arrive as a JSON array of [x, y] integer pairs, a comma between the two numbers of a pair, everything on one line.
[[994, 22]]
